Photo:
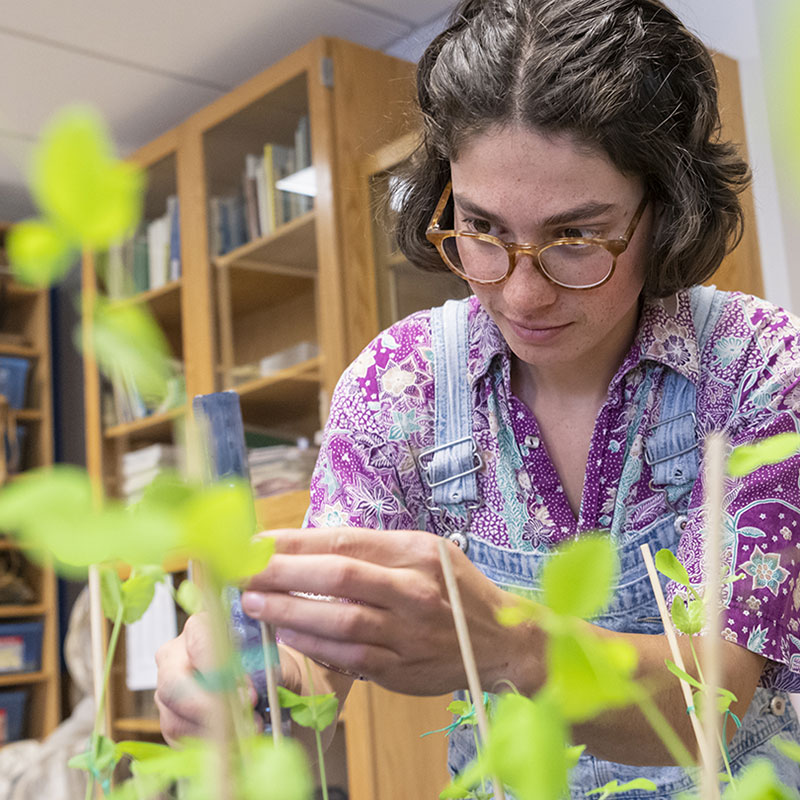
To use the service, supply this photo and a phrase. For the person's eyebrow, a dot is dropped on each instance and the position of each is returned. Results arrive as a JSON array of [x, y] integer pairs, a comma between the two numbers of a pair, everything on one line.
[[585, 211]]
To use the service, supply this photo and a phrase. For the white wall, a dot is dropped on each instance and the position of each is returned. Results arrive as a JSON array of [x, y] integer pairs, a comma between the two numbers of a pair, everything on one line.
[[743, 29]]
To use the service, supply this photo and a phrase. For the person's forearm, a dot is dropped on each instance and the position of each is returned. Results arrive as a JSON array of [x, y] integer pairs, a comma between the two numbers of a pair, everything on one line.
[[625, 735]]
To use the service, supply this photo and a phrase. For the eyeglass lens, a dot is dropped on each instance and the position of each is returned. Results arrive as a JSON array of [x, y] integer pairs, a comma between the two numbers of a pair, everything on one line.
[[573, 265]]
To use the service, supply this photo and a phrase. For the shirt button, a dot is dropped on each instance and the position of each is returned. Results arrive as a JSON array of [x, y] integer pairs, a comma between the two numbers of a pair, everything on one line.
[[777, 706], [532, 442]]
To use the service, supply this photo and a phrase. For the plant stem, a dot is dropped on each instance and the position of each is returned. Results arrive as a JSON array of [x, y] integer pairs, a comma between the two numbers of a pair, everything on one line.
[[112, 647], [317, 736]]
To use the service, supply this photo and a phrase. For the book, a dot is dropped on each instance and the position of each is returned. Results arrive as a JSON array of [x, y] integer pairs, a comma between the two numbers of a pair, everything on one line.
[[173, 214], [249, 183], [158, 237], [267, 204]]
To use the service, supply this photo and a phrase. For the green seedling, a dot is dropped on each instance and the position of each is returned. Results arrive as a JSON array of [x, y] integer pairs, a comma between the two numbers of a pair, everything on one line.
[[315, 711]]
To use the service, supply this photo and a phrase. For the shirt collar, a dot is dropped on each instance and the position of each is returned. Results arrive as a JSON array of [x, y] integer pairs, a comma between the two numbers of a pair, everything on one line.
[[666, 335]]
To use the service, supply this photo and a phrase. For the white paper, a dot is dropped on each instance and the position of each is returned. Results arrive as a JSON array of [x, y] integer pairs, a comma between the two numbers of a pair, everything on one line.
[[143, 638]]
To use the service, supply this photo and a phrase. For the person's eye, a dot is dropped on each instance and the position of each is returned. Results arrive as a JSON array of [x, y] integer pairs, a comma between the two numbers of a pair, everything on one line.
[[474, 225], [577, 233]]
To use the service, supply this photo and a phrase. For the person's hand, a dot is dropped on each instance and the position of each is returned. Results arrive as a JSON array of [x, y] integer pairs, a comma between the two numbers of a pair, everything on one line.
[[184, 707], [395, 625]]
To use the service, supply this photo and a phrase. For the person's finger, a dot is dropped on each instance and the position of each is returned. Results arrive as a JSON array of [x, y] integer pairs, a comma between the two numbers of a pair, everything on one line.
[[332, 619], [388, 548], [330, 575]]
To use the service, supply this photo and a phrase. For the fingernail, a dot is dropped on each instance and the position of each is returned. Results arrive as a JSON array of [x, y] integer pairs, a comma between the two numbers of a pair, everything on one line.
[[252, 603]]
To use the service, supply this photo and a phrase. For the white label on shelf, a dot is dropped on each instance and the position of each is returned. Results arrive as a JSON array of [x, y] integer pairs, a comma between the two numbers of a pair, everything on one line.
[[12, 653]]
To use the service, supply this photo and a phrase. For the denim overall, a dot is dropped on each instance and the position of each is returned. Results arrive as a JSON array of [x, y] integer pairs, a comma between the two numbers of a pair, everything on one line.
[[672, 452]]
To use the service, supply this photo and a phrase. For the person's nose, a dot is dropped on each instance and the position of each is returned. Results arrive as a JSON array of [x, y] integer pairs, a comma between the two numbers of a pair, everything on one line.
[[527, 287]]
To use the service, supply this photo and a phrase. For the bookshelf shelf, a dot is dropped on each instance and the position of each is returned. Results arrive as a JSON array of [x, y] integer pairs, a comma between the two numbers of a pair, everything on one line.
[[19, 678], [156, 427], [33, 610], [143, 725], [29, 415], [291, 394], [19, 350], [291, 249]]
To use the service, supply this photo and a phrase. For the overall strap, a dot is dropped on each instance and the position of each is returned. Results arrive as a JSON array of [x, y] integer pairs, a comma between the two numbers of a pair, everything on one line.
[[449, 466], [671, 449]]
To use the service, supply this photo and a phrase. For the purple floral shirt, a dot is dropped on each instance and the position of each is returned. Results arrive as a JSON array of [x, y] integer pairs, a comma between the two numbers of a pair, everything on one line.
[[748, 383]]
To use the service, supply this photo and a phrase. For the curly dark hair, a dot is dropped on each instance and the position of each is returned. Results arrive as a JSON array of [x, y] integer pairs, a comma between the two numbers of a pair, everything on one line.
[[624, 76]]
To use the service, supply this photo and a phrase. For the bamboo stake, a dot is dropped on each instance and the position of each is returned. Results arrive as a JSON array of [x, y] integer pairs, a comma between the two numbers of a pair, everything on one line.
[[272, 665], [715, 446], [672, 641], [467, 654]]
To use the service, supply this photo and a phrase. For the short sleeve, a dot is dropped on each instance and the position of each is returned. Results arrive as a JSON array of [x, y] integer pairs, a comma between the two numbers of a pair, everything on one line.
[[361, 478], [750, 388]]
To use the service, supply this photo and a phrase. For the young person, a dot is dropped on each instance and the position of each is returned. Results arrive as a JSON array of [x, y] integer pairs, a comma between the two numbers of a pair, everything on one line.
[[590, 369]]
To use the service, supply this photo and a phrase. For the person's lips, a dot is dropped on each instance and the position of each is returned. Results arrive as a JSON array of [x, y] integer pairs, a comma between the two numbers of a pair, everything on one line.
[[537, 332]]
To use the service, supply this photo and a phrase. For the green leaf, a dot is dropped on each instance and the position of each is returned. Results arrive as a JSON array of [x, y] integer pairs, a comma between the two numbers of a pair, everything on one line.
[[316, 711], [749, 457], [788, 748], [141, 751], [53, 511], [138, 592], [82, 761], [276, 772], [588, 674], [668, 564], [758, 781], [39, 254], [519, 611], [189, 597], [578, 579], [229, 508], [129, 344], [104, 754], [110, 592], [687, 615], [527, 747], [91, 196], [683, 675]]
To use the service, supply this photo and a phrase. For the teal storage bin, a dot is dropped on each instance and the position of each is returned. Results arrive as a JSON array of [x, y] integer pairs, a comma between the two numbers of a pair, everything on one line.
[[24, 656], [12, 715], [14, 380]]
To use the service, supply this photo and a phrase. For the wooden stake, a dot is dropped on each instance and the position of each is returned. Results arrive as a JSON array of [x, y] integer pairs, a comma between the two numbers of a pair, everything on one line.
[[715, 447], [272, 665], [467, 654], [672, 641]]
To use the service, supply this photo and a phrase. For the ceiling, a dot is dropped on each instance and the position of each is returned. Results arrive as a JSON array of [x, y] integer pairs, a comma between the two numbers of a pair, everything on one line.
[[148, 64]]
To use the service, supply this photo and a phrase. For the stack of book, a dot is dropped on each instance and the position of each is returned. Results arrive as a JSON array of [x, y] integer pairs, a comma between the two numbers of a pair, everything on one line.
[[281, 468], [261, 207], [127, 404], [141, 467], [148, 260]]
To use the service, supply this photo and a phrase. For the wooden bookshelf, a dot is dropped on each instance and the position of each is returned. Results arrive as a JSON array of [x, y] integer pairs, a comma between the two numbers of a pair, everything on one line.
[[307, 281], [25, 333]]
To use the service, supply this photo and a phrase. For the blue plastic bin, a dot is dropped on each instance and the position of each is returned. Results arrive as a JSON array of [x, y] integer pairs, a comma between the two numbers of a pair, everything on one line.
[[14, 380], [12, 715], [31, 651]]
